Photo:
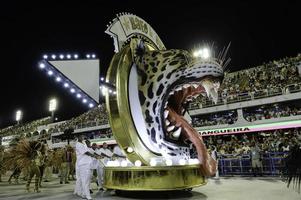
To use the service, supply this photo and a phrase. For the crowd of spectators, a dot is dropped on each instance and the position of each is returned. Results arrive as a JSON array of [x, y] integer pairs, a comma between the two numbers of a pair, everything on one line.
[[99, 134], [271, 111], [268, 141], [24, 128], [270, 79], [229, 117], [94, 117]]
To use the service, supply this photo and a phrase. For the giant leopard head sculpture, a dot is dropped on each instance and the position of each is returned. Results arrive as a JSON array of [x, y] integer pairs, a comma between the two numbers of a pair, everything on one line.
[[154, 87]]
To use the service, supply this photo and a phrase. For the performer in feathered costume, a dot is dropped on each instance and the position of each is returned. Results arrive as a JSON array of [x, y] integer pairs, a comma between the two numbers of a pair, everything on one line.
[[1, 161], [293, 166], [28, 154]]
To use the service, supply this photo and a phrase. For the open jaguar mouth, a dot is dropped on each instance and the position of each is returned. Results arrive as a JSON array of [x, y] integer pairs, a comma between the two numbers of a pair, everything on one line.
[[177, 129]]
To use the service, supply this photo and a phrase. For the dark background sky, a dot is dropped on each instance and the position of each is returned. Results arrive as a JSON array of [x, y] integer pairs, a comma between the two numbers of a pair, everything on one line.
[[259, 33]]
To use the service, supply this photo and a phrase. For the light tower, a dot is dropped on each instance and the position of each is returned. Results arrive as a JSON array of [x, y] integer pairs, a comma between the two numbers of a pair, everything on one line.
[[19, 115], [52, 108]]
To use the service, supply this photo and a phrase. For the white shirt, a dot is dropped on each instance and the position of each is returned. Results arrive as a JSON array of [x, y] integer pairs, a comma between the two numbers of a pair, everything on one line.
[[81, 157], [107, 152], [95, 162], [119, 152]]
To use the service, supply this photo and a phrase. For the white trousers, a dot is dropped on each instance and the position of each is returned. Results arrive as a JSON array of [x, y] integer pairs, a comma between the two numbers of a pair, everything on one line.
[[99, 170], [83, 179]]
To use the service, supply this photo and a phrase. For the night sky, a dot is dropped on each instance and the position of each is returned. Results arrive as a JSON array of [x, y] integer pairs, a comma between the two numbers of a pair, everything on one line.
[[258, 33]]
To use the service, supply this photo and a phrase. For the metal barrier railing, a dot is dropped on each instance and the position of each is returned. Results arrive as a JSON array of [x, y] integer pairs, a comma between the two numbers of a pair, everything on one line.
[[272, 164]]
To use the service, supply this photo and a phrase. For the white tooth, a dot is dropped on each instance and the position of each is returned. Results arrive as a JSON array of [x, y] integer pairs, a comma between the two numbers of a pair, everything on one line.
[[178, 88], [207, 86], [216, 89], [177, 133], [186, 86], [166, 113], [214, 95], [167, 122], [216, 86], [195, 85], [170, 128], [172, 92]]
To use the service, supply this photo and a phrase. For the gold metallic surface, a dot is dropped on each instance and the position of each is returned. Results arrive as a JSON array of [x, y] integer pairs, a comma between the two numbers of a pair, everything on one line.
[[153, 178], [118, 107], [124, 131]]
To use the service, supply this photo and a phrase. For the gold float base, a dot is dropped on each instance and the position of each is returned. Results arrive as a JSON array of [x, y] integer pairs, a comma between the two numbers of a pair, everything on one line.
[[147, 178]]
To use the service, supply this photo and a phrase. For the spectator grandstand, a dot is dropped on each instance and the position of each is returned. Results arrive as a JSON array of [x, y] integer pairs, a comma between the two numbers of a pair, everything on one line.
[[275, 110], [94, 117], [269, 141], [228, 117], [24, 128], [257, 82]]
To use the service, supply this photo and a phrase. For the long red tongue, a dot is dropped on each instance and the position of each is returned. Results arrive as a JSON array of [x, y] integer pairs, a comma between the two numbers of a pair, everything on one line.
[[207, 163]]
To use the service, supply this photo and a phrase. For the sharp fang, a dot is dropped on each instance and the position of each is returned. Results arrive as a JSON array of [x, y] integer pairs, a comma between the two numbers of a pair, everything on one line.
[[195, 85], [166, 113], [172, 92], [186, 86], [207, 87], [179, 88], [167, 122], [170, 128], [214, 95], [177, 133]]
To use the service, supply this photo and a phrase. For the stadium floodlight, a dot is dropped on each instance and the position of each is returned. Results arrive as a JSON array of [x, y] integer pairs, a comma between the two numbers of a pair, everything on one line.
[[75, 56], [66, 85], [203, 53], [72, 90], [19, 115], [50, 72], [45, 56], [93, 56], [206, 53], [102, 78], [91, 105], [88, 55], [42, 65], [84, 100], [53, 56], [52, 107], [68, 56], [58, 79], [61, 56], [78, 95]]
